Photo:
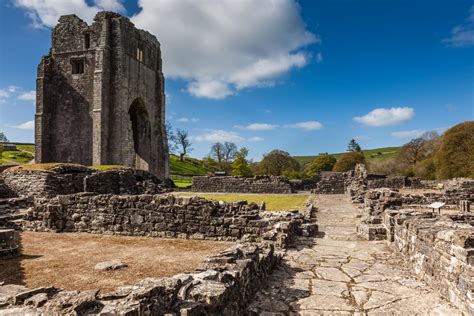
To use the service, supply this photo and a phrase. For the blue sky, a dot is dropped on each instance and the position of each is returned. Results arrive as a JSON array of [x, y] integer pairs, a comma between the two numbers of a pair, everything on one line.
[[304, 76]]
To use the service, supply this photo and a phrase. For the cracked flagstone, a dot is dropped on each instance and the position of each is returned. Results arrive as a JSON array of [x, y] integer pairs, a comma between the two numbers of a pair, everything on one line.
[[339, 274]]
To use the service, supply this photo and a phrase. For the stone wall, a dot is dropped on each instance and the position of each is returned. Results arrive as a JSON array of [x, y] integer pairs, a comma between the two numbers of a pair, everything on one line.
[[439, 250], [358, 181], [221, 285], [330, 183], [70, 179], [257, 184], [158, 216]]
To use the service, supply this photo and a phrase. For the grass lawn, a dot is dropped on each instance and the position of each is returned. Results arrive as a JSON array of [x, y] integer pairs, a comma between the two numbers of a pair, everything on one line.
[[182, 183], [274, 202], [28, 148], [16, 156]]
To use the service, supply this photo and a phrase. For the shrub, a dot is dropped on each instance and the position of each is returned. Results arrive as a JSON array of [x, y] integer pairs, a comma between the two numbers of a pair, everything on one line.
[[321, 163], [455, 156], [348, 161]]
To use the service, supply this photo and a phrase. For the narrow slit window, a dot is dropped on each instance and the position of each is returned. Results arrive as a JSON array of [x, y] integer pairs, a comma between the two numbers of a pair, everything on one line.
[[139, 54], [77, 66], [87, 41]]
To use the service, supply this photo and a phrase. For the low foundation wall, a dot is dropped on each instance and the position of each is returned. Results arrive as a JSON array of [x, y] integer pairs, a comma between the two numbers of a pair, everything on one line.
[[440, 251], [157, 216], [231, 184]]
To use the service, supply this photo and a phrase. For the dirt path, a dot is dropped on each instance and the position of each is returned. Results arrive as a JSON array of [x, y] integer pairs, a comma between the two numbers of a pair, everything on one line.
[[340, 274]]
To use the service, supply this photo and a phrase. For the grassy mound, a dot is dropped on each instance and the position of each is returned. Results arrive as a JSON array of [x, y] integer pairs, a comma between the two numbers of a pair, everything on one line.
[[36, 167], [106, 167]]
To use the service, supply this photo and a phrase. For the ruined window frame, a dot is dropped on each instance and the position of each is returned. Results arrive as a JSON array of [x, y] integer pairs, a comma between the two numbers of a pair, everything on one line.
[[78, 66]]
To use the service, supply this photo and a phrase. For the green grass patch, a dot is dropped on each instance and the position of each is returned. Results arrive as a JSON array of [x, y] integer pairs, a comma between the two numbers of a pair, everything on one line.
[[105, 167], [188, 166], [370, 154], [274, 202], [183, 183], [28, 148], [17, 156], [36, 166]]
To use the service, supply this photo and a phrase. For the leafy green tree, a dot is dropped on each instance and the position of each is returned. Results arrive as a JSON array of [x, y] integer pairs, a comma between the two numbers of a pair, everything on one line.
[[240, 165], [455, 156], [353, 146], [320, 163], [348, 161], [277, 162]]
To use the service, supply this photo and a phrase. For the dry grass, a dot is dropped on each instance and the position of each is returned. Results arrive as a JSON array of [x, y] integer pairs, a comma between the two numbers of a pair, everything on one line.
[[35, 167], [67, 260], [273, 202], [106, 167]]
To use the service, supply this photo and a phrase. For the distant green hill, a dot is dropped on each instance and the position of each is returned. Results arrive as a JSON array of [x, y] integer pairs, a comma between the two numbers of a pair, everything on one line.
[[370, 154]]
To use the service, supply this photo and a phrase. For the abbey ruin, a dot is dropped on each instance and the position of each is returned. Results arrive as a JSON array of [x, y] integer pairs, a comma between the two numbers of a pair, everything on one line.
[[79, 240], [100, 96]]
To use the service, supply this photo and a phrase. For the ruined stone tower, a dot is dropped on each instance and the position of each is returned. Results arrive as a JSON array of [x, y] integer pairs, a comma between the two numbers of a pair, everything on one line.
[[100, 96]]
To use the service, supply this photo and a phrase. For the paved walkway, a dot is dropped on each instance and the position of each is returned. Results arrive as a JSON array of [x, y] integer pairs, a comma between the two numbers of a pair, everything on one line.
[[338, 274]]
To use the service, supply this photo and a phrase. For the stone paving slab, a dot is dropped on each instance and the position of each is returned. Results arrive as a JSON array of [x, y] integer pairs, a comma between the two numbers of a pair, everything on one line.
[[339, 274]]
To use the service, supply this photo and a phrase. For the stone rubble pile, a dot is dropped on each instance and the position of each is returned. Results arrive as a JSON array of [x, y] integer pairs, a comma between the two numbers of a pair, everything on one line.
[[379, 202], [235, 184]]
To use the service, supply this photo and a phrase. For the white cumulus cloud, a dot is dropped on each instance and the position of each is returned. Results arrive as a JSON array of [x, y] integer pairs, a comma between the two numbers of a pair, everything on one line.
[[385, 117], [211, 89], [224, 46], [258, 127], [408, 134], [26, 125], [28, 96], [45, 13], [307, 126]]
